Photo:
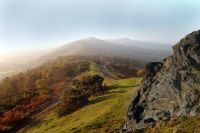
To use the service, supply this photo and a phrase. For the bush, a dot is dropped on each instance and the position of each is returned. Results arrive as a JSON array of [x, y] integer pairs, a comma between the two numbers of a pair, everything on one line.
[[91, 84], [11, 118], [72, 100]]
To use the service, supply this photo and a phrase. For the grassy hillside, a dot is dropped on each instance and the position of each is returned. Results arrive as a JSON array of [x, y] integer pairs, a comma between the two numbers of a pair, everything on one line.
[[32, 98], [177, 125], [103, 113]]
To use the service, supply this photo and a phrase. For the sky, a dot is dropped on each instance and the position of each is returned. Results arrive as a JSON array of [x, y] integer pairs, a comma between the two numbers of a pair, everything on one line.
[[40, 24]]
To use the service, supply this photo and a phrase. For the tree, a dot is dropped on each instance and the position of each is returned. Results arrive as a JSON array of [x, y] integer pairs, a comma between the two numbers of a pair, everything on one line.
[[72, 100], [93, 85], [42, 85], [8, 87], [29, 81]]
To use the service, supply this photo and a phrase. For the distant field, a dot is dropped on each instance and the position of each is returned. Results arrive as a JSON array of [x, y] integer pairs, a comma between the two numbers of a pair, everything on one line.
[[4, 74], [104, 113]]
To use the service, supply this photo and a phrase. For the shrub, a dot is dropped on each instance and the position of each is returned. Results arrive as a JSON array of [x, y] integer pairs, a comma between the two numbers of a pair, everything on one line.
[[12, 117], [72, 100], [91, 84]]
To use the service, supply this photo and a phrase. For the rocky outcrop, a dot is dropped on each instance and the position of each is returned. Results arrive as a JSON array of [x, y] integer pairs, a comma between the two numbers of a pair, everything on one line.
[[170, 88]]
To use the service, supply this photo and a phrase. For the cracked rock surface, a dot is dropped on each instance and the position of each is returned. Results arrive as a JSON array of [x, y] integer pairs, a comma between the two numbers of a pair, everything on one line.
[[170, 88]]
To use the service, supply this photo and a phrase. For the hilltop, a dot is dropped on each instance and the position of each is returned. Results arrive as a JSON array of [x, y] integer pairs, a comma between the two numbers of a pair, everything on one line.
[[140, 50]]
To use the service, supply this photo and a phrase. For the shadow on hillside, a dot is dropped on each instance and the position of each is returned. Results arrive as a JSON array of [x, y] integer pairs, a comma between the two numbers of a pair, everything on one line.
[[99, 99], [116, 91], [26, 127], [112, 91], [120, 87]]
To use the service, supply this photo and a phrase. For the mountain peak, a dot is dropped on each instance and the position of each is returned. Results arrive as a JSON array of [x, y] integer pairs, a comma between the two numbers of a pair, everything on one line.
[[90, 39]]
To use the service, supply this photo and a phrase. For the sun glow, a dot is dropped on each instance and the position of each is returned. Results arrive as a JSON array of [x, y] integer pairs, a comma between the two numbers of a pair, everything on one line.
[[3, 58]]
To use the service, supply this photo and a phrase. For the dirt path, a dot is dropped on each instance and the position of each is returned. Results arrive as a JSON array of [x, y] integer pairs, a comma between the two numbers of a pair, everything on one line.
[[106, 72]]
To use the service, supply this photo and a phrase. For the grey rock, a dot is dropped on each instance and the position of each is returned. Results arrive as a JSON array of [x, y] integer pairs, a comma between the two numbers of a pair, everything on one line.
[[170, 88]]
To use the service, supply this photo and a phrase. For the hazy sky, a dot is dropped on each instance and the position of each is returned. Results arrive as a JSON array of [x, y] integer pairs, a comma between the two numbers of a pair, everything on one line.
[[33, 24]]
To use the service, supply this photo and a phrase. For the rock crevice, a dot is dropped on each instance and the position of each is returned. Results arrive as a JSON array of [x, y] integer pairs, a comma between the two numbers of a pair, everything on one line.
[[170, 88]]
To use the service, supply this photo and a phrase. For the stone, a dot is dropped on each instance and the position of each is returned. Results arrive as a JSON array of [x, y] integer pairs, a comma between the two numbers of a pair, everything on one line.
[[170, 88]]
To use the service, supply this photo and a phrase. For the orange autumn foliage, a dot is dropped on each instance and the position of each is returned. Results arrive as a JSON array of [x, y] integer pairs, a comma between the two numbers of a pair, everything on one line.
[[22, 111]]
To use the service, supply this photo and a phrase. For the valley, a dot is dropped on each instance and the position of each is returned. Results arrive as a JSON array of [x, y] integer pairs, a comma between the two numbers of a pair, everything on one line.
[[4, 74]]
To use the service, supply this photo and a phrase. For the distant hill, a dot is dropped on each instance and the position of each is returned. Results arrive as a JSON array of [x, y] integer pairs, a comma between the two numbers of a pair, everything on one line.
[[124, 47], [144, 51], [141, 44]]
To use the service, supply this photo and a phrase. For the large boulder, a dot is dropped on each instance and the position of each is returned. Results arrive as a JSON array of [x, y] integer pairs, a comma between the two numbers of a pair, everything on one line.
[[170, 88]]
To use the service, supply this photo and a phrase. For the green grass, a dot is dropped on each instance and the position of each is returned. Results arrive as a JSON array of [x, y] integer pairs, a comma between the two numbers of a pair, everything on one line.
[[178, 125], [104, 113], [98, 69], [94, 69], [101, 70]]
